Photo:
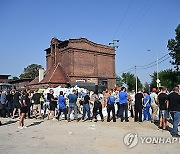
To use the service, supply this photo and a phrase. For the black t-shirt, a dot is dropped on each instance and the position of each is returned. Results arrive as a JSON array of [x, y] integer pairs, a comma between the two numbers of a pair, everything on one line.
[[174, 101], [50, 97], [162, 97], [9, 98], [86, 99], [16, 97], [97, 104], [28, 100], [36, 98], [25, 99], [138, 100]]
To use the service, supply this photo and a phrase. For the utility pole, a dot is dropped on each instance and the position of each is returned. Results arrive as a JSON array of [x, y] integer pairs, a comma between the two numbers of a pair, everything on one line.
[[136, 78], [157, 69]]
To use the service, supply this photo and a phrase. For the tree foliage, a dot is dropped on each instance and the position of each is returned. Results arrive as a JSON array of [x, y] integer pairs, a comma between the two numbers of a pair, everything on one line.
[[168, 78], [31, 71], [174, 48], [119, 81], [130, 80]]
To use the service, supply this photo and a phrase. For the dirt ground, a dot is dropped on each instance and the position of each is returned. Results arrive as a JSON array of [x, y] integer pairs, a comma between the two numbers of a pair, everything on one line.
[[48, 136]]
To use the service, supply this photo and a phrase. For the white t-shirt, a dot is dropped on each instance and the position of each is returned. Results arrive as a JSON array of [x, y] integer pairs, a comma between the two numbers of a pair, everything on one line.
[[153, 97]]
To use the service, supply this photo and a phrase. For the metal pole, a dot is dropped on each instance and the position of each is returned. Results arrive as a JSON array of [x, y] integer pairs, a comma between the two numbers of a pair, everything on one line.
[[157, 72], [136, 78]]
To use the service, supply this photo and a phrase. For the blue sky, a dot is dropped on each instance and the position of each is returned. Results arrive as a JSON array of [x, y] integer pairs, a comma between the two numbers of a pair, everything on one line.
[[27, 27]]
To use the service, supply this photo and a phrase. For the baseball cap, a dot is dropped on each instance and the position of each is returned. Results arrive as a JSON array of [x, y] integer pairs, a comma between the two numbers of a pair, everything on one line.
[[154, 90]]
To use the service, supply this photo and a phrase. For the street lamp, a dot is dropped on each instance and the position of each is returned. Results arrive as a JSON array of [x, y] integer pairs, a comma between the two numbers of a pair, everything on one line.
[[157, 67], [113, 43]]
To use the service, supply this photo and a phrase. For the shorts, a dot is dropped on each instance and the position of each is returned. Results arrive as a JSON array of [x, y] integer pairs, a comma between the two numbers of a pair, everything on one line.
[[17, 105], [52, 106], [37, 107], [163, 114], [24, 109]]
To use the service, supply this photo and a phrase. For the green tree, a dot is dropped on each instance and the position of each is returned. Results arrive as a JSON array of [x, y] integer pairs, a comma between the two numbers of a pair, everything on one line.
[[130, 80], [146, 87], [119, 81], [31, 71], [168, 78], [174, 48]]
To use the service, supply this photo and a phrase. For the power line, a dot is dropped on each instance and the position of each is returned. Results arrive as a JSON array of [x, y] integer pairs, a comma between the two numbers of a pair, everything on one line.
[[138, 19], [147, 65], [123, 18], [128, 70], [154, 64], [153, 61]]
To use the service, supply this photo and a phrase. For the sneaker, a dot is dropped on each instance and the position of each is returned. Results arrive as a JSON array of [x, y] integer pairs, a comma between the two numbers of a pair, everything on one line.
[[24, 127], [20, 127], [95, 120], [176, 135], [54, 119]]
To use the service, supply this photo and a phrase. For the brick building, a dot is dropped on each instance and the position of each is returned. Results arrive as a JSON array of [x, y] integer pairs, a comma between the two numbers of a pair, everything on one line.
[[78, 60], [4, 78], [20, 83]]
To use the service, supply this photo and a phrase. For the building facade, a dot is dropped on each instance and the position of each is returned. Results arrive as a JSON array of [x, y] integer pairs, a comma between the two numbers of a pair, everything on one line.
[[4, 78], [78, 60]]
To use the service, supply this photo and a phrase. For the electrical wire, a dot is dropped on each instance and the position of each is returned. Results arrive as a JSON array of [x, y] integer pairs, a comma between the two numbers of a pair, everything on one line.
[[123, 18], [153, 61], [154, 64], [147, 65], [138, 20]]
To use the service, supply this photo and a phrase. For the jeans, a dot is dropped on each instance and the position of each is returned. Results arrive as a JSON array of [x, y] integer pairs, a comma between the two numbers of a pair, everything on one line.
[[123, 108], [146, 112], [10, 108], [86, 108], [138, 114], [176, 119], [75, 112]]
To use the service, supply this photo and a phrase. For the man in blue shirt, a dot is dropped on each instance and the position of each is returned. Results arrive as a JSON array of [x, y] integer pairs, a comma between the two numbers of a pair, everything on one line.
[[72, 105], [123, 103], [62, 105], [110, 107]]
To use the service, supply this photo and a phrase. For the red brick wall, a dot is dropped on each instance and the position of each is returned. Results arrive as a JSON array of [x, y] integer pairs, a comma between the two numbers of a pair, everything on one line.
[[84, 63], [105, 66]]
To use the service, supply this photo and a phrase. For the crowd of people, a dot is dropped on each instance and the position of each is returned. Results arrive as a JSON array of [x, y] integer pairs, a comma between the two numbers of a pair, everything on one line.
[[156, 107]]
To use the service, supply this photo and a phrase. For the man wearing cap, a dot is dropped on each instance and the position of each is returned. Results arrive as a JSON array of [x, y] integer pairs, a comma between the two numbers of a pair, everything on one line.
[[154, 105]]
